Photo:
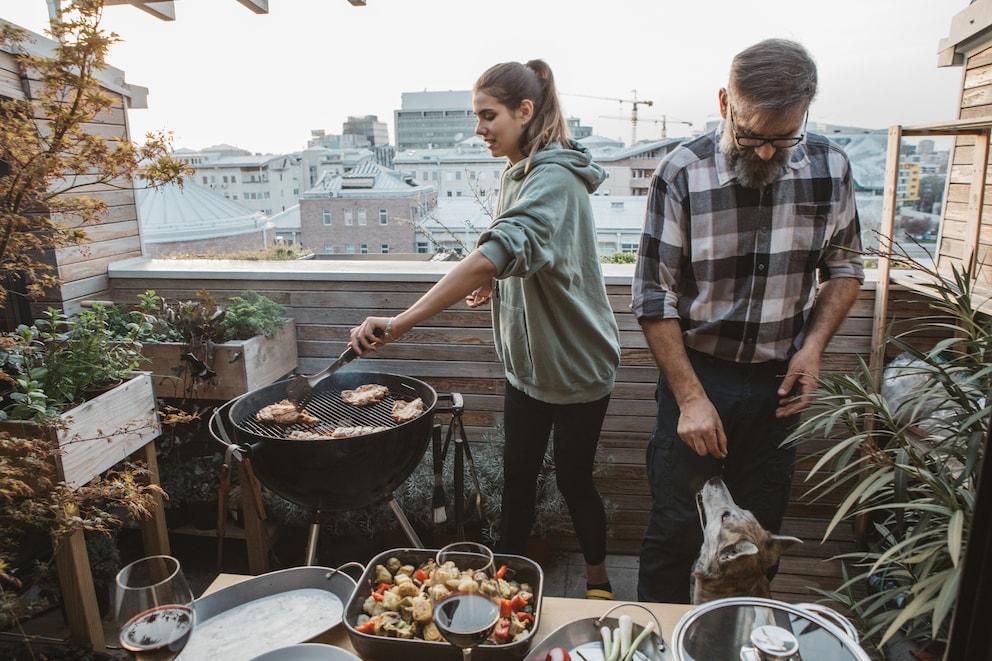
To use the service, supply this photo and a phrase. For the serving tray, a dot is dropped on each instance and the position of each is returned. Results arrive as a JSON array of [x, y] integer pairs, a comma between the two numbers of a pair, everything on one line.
[[267, 612], [381, 648]]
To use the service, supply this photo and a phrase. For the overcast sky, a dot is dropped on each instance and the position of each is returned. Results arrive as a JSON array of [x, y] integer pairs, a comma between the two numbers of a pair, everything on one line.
[[221, 74]]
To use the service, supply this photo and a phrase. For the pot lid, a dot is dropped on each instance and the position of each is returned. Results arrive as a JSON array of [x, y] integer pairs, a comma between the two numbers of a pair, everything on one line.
[[735, 628]]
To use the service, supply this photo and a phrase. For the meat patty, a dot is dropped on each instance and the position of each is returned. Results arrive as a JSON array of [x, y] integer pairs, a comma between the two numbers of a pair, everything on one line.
[[285, 413], [406, 411], [335, 432], [370, 393]]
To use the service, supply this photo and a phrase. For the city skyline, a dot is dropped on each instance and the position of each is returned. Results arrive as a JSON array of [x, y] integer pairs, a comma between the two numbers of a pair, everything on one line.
[[263, 82]]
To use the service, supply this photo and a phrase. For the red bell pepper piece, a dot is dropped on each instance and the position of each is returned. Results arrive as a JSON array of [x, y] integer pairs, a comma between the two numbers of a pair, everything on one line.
[[382, 587], [517, 603], [420, 575], [368, 627], [501, 572], [505, 608], [523, 616]]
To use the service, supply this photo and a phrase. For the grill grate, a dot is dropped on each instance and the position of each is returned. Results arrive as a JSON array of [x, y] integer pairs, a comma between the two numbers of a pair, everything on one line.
[[332, 412]]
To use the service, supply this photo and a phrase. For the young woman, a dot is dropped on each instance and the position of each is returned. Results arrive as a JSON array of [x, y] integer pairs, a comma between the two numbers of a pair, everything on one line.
[[554, 329]]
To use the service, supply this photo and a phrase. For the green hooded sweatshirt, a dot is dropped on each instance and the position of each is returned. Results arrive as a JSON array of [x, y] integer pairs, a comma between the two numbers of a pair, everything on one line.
[[554, 327]]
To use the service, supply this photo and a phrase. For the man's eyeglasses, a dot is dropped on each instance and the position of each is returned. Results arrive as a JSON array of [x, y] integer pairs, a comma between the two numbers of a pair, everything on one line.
[[755, 141]]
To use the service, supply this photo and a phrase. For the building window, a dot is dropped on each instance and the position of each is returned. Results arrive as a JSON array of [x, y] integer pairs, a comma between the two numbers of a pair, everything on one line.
[[384, 248], [347, 217], [363, 248], [204, 181], [350, 248], [361, 216], [328, 249], [423, 247], [233, 179], [383, 217], [327, 217], [225, 179]]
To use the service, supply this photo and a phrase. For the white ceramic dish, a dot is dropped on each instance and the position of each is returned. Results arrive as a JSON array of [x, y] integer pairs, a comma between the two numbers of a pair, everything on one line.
[[308, 652]]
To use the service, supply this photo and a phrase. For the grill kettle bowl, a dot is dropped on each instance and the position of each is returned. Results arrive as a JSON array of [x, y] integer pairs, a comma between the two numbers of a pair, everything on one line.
[[332, 475]]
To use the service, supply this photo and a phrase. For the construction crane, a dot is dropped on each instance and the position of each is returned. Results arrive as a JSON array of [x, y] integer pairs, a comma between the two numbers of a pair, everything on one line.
[[633, 108], [663, 120]]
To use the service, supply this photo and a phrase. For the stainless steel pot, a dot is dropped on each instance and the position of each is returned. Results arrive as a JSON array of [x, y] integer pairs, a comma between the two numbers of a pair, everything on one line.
[[756, 629]]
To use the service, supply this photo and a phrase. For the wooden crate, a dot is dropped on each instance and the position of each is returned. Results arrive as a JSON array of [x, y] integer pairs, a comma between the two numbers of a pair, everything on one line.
[[241, 366]]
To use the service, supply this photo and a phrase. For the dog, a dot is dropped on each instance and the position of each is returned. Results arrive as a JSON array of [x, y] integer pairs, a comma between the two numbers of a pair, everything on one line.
[[737, 551]]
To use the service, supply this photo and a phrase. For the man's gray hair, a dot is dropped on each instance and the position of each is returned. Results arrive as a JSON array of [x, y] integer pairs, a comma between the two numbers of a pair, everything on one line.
[[775, 74]]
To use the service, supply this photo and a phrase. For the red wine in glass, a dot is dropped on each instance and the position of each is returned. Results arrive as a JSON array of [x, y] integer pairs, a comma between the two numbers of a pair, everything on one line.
[[466, 618], [158, 634], [153, 607]]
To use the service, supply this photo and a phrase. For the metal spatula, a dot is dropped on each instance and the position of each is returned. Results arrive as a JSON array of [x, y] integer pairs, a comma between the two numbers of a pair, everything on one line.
[[300, 389]]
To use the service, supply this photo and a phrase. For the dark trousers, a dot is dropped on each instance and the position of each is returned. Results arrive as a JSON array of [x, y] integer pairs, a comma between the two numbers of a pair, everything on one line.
[[527, 425], [757, 470]]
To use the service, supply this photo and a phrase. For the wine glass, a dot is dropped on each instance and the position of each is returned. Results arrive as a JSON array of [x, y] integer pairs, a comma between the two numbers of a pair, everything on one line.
[[463, 614], [153, 607]]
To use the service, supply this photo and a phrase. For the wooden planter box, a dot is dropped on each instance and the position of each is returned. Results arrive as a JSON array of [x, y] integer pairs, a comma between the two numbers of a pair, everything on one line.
[[101, 432], [241, 366], [91, 438]]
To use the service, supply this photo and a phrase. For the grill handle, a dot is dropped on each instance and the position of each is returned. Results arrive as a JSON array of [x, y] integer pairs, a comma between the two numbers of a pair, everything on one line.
[[220, 432]]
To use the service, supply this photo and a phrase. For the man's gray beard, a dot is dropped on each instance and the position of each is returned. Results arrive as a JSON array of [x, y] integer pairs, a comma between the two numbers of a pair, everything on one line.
[[750, 170]]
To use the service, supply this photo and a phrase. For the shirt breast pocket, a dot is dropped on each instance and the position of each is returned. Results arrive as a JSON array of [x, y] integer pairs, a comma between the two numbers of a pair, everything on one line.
[[809, 232]]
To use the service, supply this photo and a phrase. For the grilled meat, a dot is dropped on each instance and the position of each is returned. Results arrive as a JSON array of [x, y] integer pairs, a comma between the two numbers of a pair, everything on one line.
[[370, 393], [285, 413], [405, 411]]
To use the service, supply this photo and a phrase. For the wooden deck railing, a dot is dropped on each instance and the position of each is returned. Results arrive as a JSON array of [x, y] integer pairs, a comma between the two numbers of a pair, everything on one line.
[[454, 353]]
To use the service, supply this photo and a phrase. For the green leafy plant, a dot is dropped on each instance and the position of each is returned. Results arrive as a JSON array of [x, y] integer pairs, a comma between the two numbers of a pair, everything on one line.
[[51, 365], [908, 463], [202, 321], [252, 314]]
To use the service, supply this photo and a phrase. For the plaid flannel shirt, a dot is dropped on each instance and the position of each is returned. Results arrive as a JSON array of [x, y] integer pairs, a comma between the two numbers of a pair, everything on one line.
[[738, 266]]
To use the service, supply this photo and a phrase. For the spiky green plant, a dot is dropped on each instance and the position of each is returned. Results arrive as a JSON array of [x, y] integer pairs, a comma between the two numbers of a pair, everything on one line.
[[908, 464]]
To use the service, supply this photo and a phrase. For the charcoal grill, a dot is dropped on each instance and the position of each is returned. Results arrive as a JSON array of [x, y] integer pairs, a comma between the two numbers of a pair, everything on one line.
[[332, 475]]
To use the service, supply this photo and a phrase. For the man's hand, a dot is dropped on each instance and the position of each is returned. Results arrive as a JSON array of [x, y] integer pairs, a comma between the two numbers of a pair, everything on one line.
[[799, 383], [700, 428]]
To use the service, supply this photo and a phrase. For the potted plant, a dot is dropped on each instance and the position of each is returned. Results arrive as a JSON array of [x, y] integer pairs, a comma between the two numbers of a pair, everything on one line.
[[61, 360], [203, 350], [904, 457]]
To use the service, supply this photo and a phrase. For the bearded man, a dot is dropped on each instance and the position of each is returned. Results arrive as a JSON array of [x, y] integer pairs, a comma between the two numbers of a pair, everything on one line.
[[749, 260]]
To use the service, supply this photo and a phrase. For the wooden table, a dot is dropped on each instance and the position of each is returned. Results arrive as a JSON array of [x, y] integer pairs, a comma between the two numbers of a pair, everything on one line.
[[555, 611]]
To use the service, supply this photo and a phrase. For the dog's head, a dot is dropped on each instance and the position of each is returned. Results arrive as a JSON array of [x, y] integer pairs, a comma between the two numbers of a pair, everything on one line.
[[736, 552]]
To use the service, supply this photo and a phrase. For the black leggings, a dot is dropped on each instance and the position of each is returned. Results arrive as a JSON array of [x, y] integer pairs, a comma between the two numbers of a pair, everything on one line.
[[527, 424]]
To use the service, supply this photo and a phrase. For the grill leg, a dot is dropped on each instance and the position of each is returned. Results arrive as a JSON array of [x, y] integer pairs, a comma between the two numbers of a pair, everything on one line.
[[411, 534], [312, 540]]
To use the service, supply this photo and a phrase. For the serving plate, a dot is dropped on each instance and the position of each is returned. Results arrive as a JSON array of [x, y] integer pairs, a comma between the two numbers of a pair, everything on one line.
[[267, 612], [308, 652], [372, 647]]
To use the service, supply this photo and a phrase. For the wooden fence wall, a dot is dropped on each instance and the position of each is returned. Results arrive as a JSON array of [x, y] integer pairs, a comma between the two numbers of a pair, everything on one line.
[[454, 353]]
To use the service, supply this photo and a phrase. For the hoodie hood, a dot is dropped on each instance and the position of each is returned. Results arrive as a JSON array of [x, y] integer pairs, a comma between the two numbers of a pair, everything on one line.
[[576, 158]]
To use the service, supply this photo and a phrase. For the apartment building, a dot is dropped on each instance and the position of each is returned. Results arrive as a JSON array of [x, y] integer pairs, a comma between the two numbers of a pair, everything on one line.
[[428, 120], [370, 209], [268, 183]]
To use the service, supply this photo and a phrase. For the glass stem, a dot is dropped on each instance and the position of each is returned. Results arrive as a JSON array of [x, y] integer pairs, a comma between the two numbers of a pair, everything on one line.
[[467, 654]]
